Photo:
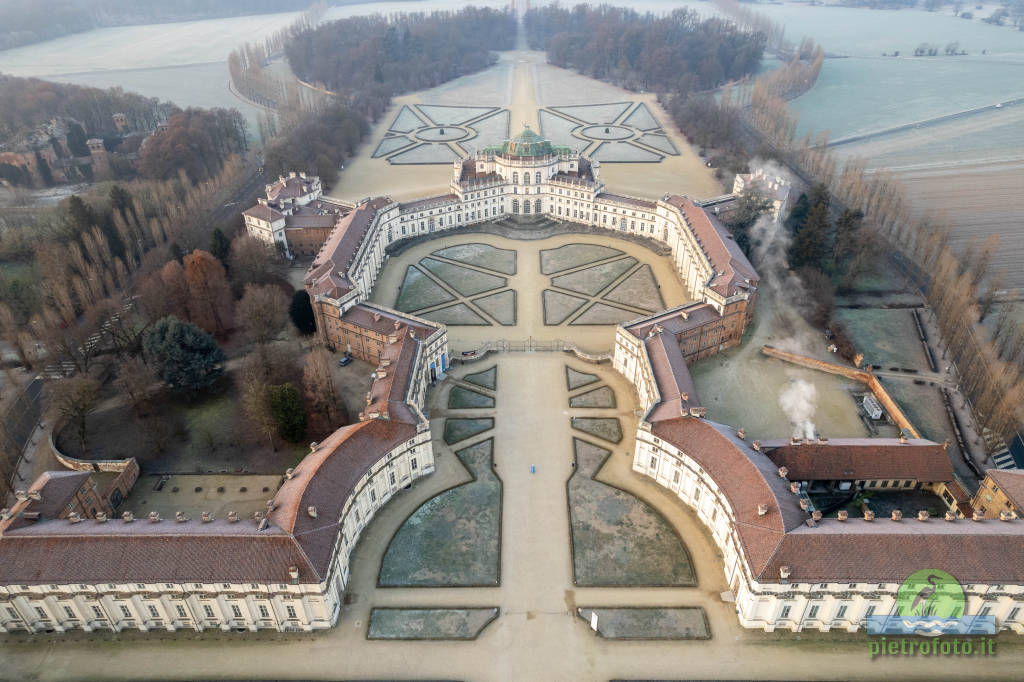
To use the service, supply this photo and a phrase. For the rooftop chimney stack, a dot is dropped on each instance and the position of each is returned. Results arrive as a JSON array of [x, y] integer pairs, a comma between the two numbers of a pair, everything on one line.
[[741, 433], [804, 504], [784, 572], [897, 515], [154, 517], [312, 446], [75, 517], [922, 515], [842, 515], [233, 517], [128, 517], [977, 516], [950, 516], [869, 515], [289, 473], [206, 517], [762, 509], [101, 517], [903, 438], [311, 510], [816, 515], [35, 495], [180, 517], [756, 445], [783, 472], [20, 495], [1006, 515]]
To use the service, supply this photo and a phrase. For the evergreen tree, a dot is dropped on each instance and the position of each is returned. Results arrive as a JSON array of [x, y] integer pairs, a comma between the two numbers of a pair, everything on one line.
[[288, 411], [185, 356], [80, 216], [220, 245], [846, 238], [810, 247], [301, 312], [76, 140]]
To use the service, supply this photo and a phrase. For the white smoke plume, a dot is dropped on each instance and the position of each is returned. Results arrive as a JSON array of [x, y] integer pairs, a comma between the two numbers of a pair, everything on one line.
[[799, 401]]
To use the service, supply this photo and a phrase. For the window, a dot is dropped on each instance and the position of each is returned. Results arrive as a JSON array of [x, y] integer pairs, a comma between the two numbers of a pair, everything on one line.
[[1014, 612], [986, 610], [885, 484], [12, 614], [537, 208], [526, 178], [515, 178], [675, 476], [264, 612], [124, 611], [235, 611], [208, 611], [813, 613], [871, 611], [413, 464], [291, 611], [536, 177], [373, 495], [153, 613], [68, 612], [97, 612], [654, 462], [841, 613], [785, 612], [391, 477], [181, 611]]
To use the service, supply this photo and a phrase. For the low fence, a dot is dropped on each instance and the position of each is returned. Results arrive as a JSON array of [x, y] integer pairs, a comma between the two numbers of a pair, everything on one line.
[[531, 346]]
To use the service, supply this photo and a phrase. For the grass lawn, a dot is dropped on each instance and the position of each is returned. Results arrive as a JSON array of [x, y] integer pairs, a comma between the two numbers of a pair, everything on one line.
[[456, 430], [454, 538], [487, 378], [887, 338], [605, 428], [649, 623], [463, 398], [617, 538], [603, 396], [388, 623]]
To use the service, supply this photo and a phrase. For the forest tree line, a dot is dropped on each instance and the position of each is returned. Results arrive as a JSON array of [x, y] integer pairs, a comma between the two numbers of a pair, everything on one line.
[[678, 53]]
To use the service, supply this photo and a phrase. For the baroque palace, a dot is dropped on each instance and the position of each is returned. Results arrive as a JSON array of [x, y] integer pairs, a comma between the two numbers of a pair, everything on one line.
[[68, 560]]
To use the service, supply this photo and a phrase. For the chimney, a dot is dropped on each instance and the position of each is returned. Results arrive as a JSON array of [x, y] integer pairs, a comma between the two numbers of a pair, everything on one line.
[[804, 503], [796, 440], [180, 517], [312, 446], [382, 373], [154, 517], [783, 472], [271, 505], [128, 517], [376, 317], [816, 515], [289, 473], [811, 523], [869, 515], [233, 517], [258, 515], [206, 517], [756, 445], [35, 495], [75, 517], [950, 516], [922, 515], [392, 338], [5, 514], [903, 438], [101, 517], [741, 433], [311, 510], [684, 396], [784, 572], [897, 515], [263, 524], [945, 444], [293, 573], [842, 515], [977, 516], [822, 440], [397, 325], [1006, 515], [20, 495], [762, 509]]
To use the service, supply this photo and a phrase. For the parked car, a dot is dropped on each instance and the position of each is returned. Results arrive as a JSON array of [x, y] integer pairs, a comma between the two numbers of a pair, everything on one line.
[[345, 361]]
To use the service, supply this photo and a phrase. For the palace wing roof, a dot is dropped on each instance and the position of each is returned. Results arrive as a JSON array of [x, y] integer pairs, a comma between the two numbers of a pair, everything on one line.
[[849, 459]]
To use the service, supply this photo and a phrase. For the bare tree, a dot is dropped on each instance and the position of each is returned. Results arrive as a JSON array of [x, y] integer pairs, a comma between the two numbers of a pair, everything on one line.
[[253, 261], [254, 387], [137, 383], [325, 405], [262, 312], [74, 399]]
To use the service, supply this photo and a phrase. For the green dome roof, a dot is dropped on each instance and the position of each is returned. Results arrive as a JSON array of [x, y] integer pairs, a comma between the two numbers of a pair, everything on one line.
[[528, 143]]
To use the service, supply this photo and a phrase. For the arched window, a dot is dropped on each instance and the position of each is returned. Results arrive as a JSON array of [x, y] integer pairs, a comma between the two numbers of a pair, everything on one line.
[[526, 178], [526, 206], [515, 178], [515, 205], [536, 177], [537, 207]]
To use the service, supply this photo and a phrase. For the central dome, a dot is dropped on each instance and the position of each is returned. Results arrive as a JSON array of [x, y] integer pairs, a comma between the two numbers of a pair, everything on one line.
[[528, 143]]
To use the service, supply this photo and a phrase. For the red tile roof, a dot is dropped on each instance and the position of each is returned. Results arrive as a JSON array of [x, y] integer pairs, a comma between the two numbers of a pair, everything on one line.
[[1011, 482], [733, 273], [328, 275], [678, 394], [858, 459]]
